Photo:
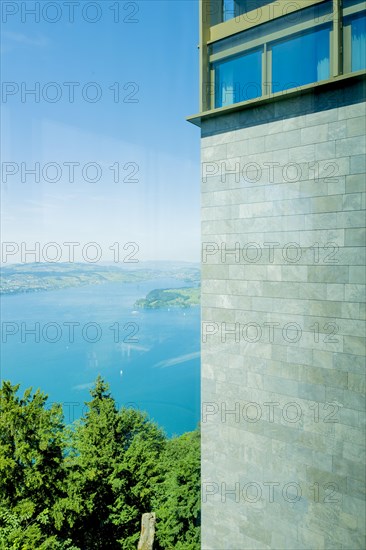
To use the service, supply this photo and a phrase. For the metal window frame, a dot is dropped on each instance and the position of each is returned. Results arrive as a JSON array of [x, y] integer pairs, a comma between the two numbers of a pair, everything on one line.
[[211, 33], [264, 65], [274, 36], [253, 18], [347, 34], [266, 42]]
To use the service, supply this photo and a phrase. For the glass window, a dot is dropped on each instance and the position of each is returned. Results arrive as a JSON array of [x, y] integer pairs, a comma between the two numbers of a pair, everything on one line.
[[358, 46], [228, 10], [318, 14], [351, 3], [301, 60], [238, 79], [235, 8]]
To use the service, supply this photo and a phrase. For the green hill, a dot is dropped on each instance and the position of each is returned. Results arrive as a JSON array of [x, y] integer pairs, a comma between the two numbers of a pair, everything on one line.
[[171, 297]]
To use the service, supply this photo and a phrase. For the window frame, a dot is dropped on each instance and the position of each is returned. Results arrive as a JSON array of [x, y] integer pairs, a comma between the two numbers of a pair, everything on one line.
[[347, 34], [291, 36], [221, 15], [259, 48], [265, 43], [212, 33]]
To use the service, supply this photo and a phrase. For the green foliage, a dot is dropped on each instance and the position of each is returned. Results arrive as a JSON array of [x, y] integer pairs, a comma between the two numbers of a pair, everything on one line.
[[31, 468], [179, 297], [177, 500], [135, 476], [86, 486]]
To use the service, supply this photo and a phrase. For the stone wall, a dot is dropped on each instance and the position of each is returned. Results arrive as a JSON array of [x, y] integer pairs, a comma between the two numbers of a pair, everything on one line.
[[283, 330]]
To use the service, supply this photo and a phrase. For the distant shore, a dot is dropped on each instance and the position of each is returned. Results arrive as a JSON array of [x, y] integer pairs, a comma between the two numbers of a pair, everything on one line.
[[25, 278]]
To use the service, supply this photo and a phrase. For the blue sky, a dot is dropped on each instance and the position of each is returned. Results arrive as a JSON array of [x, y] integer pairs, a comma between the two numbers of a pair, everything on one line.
[[154, 61]]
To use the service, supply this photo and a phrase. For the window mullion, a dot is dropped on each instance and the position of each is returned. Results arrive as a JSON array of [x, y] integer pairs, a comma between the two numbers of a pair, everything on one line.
[[337, 39]]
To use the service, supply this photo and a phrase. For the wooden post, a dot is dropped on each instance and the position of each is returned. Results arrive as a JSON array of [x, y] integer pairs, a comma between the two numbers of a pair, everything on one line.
[[146, 541]]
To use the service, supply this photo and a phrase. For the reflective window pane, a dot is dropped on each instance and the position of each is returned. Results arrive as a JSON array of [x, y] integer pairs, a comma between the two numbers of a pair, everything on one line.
[[301, 60], [238, 79], [320, 12], [229, 10], [235, 8], [358, 49], [349, 3]]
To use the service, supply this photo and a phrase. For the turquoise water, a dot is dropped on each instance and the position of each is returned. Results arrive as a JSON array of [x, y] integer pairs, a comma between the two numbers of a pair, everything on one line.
[[149, 358]]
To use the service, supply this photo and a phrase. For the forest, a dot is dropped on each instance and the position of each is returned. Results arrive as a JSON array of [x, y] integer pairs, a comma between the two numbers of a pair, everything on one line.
[[86, 485]]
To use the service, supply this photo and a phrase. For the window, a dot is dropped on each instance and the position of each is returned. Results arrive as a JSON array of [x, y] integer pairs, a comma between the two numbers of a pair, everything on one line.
[[354, 39], [358, 43], [301, 60], [235, 8], [230, 9], [284, 52], [352, 3], [238, 79]]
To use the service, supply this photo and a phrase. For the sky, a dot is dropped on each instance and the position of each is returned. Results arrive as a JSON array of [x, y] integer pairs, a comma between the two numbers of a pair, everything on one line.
[[100, 151]]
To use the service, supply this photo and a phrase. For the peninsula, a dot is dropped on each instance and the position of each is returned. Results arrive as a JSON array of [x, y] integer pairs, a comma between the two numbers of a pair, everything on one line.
[[171, 297]]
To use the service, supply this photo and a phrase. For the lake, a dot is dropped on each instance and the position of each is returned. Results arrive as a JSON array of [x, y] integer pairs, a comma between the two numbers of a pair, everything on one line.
[[64, 338]]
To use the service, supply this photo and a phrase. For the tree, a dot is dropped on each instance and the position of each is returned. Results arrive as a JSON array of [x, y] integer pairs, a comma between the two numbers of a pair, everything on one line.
[[31, 468], [94, 451], [137, 473], [112, 470], [177, 502], [87, 486]]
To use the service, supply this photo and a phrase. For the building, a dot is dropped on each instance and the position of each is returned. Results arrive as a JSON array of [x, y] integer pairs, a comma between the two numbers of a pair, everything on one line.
[[282, 118]]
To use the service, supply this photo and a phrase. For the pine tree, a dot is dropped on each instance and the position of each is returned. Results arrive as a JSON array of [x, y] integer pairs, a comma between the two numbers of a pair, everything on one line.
[[177, 503], [137, 473], [94, 452], [87, 486], [112, 470], [31, 468]]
